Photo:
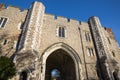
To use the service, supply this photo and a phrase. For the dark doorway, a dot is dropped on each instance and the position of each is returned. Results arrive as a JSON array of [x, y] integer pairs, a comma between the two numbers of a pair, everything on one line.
[[115, 75], [61, 61], [23, 75]]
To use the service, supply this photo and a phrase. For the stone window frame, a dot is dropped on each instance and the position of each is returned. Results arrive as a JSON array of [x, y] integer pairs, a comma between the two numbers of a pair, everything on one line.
[[60, 33], [3, 22], [87, 36], [90, 51]]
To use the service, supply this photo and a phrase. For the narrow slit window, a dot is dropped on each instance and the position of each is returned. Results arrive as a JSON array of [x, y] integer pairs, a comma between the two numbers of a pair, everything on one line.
[[63, 32], [87, 36], [5, 42], [109, 41], [59, 31], [113, 54], [1, 19]]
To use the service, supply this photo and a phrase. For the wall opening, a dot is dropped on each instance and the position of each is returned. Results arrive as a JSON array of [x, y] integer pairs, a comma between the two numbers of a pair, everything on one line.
[[55, 74], [23, 75], [63, 62], [115, 75]]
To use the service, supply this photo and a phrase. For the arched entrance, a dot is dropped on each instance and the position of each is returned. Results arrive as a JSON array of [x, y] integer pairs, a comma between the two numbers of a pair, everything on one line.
[[63, 58], [60, 60]]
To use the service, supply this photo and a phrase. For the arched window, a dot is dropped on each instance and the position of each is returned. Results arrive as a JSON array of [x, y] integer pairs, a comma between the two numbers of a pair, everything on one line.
[[61, 32]]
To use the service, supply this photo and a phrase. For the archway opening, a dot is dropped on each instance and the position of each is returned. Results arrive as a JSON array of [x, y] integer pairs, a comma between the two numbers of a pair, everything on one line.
[[63, 62], [23, 75]]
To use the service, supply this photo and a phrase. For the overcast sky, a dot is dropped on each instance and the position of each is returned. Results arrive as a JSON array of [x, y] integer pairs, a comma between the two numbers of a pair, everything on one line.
[[108, 11]]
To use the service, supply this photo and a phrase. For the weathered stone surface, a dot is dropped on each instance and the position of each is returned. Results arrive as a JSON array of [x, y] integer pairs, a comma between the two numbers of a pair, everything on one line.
[[33, 36]]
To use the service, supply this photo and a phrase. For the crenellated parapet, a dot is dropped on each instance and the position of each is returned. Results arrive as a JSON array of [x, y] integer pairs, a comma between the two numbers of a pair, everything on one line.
[[109, 30], [41, 42], [61, 19], [14, 19], [2, 6]]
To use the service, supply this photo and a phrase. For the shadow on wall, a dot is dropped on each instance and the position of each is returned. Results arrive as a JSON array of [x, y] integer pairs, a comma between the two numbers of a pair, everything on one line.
[[102, 70]]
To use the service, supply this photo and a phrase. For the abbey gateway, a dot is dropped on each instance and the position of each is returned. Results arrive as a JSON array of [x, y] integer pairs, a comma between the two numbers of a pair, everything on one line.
[[40, 43]]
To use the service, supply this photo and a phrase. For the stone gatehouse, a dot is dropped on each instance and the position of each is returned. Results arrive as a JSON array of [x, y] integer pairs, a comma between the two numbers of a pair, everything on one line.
[[40, 43]]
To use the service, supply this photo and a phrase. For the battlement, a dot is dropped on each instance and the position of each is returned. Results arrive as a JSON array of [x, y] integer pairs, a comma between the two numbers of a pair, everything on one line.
[[109, 30], [2, 7], [83, 23], [14, 7], [60, 18], [63, 19]]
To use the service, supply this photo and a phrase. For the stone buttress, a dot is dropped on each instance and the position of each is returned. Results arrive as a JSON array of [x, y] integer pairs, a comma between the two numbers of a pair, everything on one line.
[[102, 65], [27, 55]]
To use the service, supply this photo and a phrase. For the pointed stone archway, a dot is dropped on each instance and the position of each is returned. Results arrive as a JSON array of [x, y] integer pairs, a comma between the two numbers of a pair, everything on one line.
[[61, 61], [63, 58]]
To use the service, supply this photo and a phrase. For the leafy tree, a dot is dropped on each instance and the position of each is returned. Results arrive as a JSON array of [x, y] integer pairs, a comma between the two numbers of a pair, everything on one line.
[[7, 68]]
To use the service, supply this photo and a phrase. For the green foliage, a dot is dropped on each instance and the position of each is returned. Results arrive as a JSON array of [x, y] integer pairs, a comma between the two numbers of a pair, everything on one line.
[[52, 78], [7, 68]]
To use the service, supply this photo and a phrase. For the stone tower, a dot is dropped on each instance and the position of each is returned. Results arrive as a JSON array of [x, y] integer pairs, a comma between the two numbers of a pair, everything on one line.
[[30, 41], [41, 43]]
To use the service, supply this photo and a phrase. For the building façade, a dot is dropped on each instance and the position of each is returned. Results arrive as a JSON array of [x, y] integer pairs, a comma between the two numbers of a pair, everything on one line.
[[40, 42]]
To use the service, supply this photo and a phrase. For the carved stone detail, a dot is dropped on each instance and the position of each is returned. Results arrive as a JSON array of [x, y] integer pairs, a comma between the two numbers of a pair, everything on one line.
[[101, 54], [25, 60], [98, 39]]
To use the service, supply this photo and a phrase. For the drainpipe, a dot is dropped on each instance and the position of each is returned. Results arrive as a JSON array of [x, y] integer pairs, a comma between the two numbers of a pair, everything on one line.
[[83, 53]]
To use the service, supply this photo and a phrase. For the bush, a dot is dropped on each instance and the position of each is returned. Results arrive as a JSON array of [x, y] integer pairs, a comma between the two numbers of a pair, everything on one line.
[[7, 68]]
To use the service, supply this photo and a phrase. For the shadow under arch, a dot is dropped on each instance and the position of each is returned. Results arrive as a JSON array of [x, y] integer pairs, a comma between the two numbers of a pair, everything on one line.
[[69, 50]]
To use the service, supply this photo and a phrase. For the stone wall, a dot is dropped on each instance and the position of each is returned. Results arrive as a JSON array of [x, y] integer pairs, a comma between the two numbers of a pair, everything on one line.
[[12, 30], [36, 31]]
